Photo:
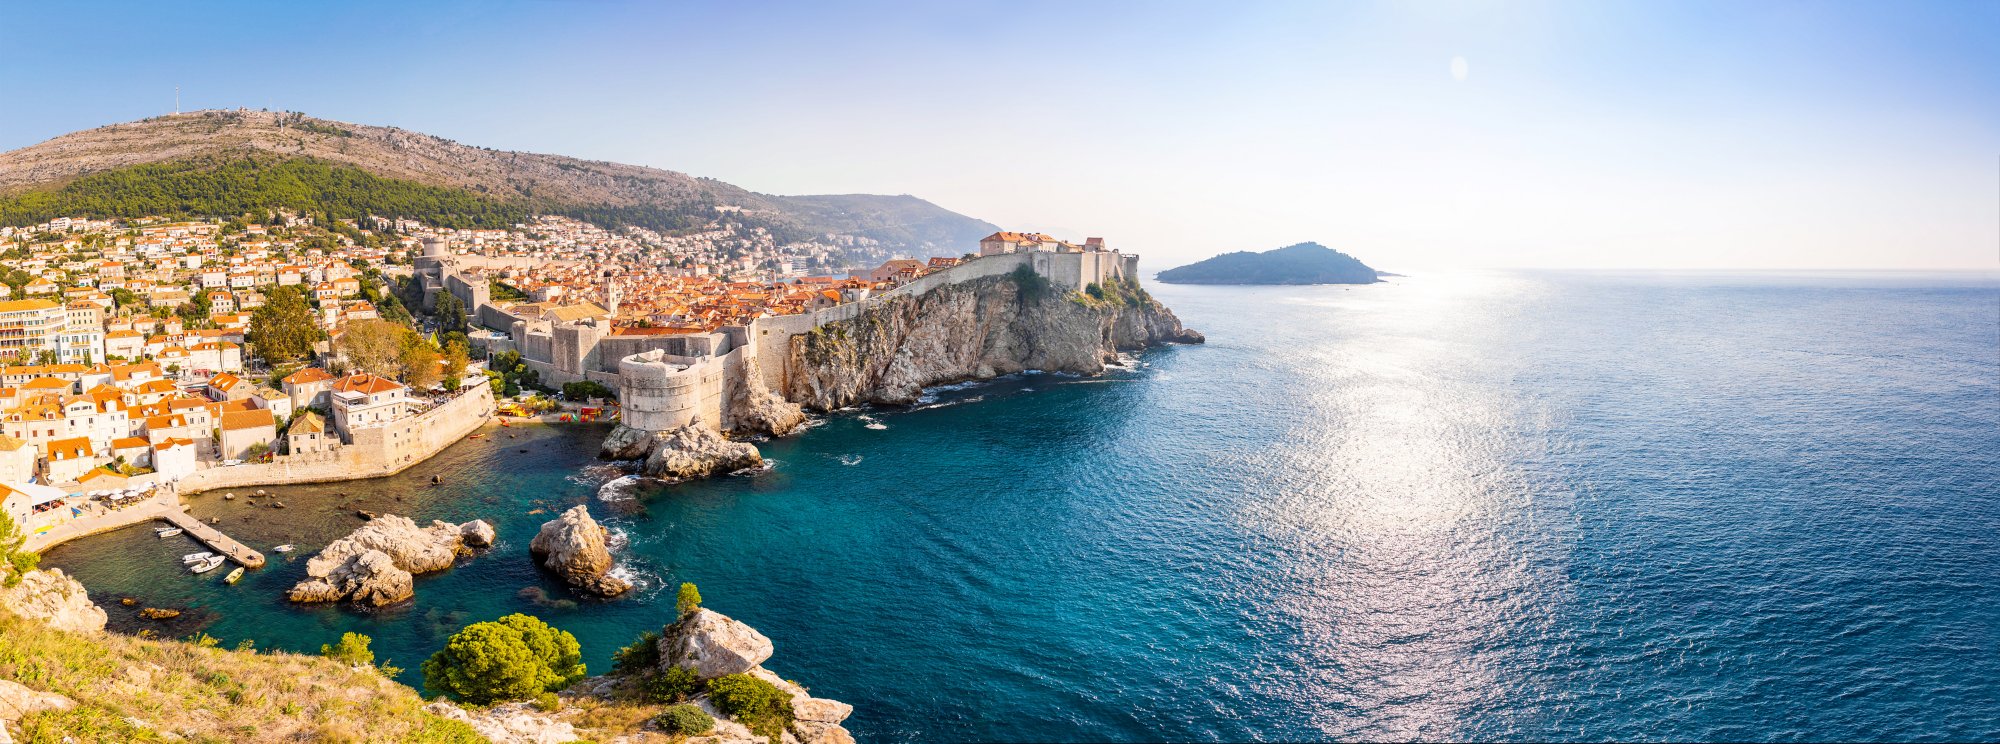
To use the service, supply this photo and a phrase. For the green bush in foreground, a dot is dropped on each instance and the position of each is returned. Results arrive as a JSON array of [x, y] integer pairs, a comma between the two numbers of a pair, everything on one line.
[[671, 685], [352, 650], [685, 719], [642, 655], [514, 658], [759, 705]]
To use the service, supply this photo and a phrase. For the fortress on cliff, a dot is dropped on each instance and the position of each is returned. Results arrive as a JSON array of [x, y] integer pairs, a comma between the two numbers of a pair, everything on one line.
[[667, 381]]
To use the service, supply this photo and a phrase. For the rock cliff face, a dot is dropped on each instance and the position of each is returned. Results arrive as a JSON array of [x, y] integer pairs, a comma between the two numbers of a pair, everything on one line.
[[55, 599], [572, 545], [970, 330], [754, 409], [373, 565]]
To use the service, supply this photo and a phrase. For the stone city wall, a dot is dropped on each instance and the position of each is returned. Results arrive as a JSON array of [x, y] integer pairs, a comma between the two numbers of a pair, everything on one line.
[[376, 452]]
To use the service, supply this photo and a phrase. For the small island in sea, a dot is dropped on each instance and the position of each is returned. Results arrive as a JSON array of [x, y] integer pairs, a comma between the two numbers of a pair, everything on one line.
[[1305, 263]]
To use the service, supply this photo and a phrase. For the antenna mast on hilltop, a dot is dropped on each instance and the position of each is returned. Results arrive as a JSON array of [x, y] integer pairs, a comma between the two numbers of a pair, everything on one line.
[[177, 99]]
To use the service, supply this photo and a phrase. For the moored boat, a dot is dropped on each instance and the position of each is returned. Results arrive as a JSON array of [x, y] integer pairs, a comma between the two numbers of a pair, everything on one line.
[[169, 532], [208, 564], [285, 548], [197, 557], [233, 576]]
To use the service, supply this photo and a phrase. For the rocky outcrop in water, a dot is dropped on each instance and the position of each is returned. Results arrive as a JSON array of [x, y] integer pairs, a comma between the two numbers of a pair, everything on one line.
[[696, 451], [714, 645], [692, 451], [626, 443], [970, 330], [373, 565], [54, 598], [573, 546]]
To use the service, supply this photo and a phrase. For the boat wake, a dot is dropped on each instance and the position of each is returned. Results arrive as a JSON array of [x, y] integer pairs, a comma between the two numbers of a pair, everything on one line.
[[850, 460]]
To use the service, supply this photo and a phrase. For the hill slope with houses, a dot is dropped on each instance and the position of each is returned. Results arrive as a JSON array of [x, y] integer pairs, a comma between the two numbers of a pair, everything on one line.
[[33, 179]]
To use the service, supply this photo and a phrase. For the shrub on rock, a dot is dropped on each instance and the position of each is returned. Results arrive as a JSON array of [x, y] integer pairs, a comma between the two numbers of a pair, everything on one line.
[[514, 658], [759, 705], [684, 719]]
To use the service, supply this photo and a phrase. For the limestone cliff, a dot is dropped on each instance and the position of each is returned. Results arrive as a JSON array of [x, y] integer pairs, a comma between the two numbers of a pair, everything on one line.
[[54, 598], [971, 330]]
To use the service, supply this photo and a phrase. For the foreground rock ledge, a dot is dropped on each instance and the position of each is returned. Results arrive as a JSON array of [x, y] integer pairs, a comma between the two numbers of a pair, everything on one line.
[[714, 644], [373, 565], [54, 598], [573, 546]]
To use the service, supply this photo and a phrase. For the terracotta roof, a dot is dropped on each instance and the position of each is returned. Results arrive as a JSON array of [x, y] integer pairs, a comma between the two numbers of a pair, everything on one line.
[[362, 382], [251, 419], [308, 375]]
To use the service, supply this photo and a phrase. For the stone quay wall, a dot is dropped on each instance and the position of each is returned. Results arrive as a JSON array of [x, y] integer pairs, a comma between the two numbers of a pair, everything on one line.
[[376, 451]]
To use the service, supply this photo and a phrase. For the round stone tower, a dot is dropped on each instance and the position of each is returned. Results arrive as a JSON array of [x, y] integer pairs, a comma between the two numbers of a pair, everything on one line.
[[659, 395]]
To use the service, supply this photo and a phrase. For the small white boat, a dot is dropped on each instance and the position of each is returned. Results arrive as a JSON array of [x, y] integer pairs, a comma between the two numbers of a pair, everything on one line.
[[208, 564], [197, 557], [169, 532], [233, 576], [285, 548]]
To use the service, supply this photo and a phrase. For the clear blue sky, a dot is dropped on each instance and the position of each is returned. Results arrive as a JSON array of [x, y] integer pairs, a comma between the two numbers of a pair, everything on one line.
[[1581, 134]]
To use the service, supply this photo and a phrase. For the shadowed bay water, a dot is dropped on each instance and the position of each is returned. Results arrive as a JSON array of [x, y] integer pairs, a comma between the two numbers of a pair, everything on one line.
[[1515, 506]]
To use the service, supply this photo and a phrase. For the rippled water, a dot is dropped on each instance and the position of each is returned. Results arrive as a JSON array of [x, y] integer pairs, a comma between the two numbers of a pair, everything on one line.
[[1481, 507]]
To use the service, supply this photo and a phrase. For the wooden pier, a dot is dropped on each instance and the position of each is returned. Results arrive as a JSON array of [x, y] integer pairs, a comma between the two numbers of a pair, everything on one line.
[[214, 539]]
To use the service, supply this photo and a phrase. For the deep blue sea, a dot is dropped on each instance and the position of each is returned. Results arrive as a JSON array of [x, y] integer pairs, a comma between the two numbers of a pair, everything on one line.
[[1466, 507]]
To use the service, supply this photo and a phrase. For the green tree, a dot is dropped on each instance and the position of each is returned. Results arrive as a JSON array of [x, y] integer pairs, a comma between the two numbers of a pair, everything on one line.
[[124, 298], [688, 600], [642, 655], [514, 658], [351, 650], [586, 389], [456, 358], [14, 562], [419, 360], [450, 312], [283, 330], [373, 346]]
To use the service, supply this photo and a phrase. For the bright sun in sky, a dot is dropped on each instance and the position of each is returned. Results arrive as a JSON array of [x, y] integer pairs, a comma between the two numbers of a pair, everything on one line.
[[1459, 69]]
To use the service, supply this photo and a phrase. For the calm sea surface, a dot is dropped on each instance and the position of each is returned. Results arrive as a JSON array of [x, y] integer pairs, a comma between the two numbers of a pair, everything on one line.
[[1510, 506]]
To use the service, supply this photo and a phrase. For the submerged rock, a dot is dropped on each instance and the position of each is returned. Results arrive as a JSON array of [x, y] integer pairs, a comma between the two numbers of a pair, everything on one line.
[[373, 564], [572, 545], [55, 599], [697, 451]]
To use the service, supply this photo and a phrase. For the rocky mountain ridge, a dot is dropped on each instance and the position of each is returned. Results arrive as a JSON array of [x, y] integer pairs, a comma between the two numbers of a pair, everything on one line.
[[390, 152]]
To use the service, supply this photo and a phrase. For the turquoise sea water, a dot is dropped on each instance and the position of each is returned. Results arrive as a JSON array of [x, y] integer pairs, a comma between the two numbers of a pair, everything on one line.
[[1509, 506]]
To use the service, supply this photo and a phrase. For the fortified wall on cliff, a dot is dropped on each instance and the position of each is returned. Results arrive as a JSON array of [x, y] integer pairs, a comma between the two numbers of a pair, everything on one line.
[[727, 378]]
